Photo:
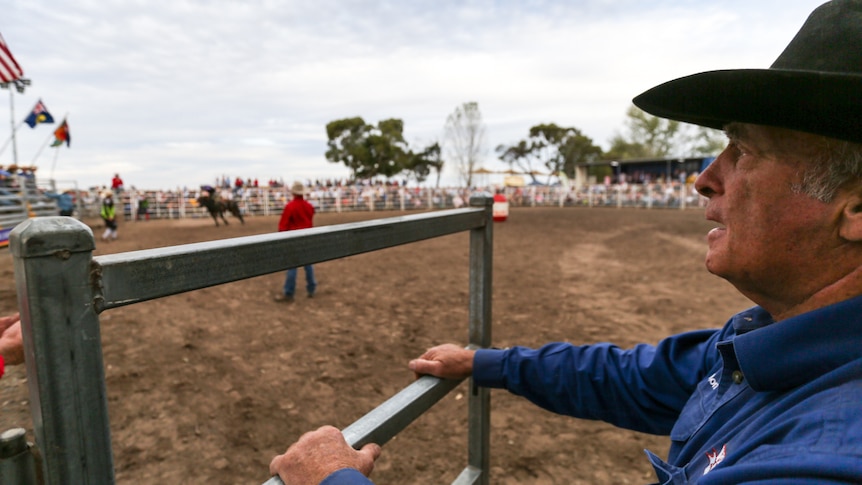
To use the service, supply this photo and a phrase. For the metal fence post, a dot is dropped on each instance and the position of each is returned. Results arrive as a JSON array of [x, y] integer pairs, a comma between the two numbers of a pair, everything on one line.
[[481, 265], [63, 349]]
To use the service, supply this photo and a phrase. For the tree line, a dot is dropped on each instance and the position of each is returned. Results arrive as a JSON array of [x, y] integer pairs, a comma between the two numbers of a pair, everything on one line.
[[380, 150]]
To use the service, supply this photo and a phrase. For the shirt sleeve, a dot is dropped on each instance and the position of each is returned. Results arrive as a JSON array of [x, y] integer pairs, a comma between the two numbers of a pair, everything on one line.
[[643, 388], [346, 476], [2, 366]]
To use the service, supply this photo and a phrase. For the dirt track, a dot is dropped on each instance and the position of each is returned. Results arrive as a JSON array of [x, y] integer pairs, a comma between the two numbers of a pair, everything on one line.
[[207, 386]]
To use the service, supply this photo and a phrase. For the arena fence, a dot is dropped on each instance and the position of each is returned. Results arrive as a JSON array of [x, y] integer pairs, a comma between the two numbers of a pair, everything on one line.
[[19, 200], [264, 201], [62, 289]]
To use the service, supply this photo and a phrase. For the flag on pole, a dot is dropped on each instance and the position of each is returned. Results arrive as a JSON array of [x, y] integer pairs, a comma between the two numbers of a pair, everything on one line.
[[61, 134], [39, 114], [9, 68]]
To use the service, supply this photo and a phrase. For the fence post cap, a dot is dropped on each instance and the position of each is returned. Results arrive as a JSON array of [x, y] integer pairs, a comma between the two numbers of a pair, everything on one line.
[[12, 442], [43, 236], [481, 199]]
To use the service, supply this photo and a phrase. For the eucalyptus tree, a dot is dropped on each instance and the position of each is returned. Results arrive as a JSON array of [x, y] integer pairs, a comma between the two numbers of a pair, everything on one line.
[[555, 148], [420, 164], [649, 136], [367, 150], [379, 150]]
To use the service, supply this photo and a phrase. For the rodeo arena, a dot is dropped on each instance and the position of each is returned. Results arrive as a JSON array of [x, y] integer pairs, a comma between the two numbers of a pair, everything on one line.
[[691, 317], [23, 196], [63, 288]]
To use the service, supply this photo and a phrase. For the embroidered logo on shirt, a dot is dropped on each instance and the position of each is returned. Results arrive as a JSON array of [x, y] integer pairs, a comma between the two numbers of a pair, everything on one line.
[[715, 458], [713, 381]]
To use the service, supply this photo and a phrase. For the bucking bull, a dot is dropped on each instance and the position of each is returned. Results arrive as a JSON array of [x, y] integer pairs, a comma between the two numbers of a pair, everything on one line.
[[217, 207]]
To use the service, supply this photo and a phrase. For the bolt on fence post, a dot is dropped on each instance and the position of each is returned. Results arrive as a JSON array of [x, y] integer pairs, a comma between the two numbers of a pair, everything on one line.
[[57, 290]]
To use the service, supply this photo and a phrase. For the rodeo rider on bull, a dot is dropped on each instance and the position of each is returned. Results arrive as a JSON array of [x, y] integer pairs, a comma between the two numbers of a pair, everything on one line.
[[775, 396]]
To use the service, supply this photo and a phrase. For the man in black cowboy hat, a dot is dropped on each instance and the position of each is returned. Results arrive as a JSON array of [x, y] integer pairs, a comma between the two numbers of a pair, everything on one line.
[[774, 396]]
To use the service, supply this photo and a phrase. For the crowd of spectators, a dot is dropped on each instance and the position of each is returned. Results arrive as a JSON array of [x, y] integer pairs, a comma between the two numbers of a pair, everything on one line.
[[341, 196]]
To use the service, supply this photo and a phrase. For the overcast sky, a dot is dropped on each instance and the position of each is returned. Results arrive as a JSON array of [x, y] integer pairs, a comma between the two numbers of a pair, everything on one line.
[[173, 93]]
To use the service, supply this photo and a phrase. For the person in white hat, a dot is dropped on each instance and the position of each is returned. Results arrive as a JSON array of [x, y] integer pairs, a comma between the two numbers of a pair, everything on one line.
[[297, 214], [774, 395]]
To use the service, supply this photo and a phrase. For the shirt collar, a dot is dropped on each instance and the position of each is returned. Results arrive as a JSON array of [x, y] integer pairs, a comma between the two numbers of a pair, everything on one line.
[[786, 354]]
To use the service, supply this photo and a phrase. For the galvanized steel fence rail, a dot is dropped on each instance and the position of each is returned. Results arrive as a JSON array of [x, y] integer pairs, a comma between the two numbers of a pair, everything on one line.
[[62, 288]]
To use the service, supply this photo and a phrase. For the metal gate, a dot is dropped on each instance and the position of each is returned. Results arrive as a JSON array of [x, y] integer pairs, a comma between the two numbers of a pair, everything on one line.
[[62, 288]]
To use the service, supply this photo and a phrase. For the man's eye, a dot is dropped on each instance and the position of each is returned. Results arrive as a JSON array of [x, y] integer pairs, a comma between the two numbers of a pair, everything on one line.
[[738, 151]]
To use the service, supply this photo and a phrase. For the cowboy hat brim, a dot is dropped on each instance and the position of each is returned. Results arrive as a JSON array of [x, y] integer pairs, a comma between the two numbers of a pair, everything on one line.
[[823, 103]]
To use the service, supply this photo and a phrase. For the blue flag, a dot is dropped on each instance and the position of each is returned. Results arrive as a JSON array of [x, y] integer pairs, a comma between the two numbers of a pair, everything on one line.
[[39, 114]]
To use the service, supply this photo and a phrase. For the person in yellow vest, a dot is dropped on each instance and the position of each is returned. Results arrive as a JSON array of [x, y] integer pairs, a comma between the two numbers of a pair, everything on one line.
[[109, 215]]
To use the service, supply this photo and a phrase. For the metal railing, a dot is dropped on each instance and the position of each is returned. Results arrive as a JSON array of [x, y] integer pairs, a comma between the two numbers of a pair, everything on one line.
[[62, 288], [21, 199]]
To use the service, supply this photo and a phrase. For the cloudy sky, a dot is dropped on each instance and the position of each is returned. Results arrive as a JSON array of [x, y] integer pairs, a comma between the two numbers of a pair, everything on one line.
[[173, 93]]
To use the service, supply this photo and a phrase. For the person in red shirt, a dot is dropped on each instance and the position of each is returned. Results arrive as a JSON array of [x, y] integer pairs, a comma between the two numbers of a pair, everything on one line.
[[297, 214], [117, 183], [11, 343]]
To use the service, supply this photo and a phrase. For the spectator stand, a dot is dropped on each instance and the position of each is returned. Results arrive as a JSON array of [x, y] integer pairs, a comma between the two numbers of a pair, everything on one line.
[[20, 199]]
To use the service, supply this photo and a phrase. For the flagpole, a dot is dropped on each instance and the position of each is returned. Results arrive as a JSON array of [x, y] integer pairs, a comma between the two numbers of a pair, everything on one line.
[[42, 148], [12, 117], [53, 165], [19, 84], [6, 143], [57, 151]]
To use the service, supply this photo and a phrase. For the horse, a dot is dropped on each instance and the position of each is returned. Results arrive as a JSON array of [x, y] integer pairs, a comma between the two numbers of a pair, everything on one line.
[[217, 208]]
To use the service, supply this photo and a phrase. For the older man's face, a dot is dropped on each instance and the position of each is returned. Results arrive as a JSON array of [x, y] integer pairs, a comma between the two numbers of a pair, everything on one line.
[[773, 242]]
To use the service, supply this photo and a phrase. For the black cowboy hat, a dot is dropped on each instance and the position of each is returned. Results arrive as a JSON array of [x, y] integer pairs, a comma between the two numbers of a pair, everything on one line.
[[814, 86]]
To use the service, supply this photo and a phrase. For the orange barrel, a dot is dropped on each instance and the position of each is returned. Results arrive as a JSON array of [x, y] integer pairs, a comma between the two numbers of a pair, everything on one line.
[[501, 208]]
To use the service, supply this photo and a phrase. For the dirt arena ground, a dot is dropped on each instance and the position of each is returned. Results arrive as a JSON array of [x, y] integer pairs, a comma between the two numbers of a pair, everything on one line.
[[207, 386]]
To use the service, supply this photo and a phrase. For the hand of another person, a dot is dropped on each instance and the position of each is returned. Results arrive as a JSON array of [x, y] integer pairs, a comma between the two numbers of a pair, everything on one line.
[[448, 361], [318, 454], [11, 342], [6, 322]]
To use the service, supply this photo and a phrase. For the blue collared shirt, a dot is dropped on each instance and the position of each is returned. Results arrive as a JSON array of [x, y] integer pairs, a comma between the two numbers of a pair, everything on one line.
[[346, 476], [755, 401]]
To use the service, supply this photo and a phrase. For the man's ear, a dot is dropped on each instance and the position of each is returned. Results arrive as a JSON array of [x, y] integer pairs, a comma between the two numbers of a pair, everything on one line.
[[850, 227]]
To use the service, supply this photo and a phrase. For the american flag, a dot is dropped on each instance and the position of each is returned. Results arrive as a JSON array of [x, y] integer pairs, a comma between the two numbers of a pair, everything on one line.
[[9, 68]]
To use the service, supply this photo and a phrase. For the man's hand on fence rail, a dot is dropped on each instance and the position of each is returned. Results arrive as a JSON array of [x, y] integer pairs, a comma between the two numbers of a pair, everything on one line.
[[447, 361], [320, 453], [325, 451]]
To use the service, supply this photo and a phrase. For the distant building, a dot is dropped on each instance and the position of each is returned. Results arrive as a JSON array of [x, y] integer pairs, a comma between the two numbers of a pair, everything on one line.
[[641, 170]]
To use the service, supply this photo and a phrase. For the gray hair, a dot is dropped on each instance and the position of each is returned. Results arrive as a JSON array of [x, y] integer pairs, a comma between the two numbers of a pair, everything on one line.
[[838, 164], [829, 164]]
